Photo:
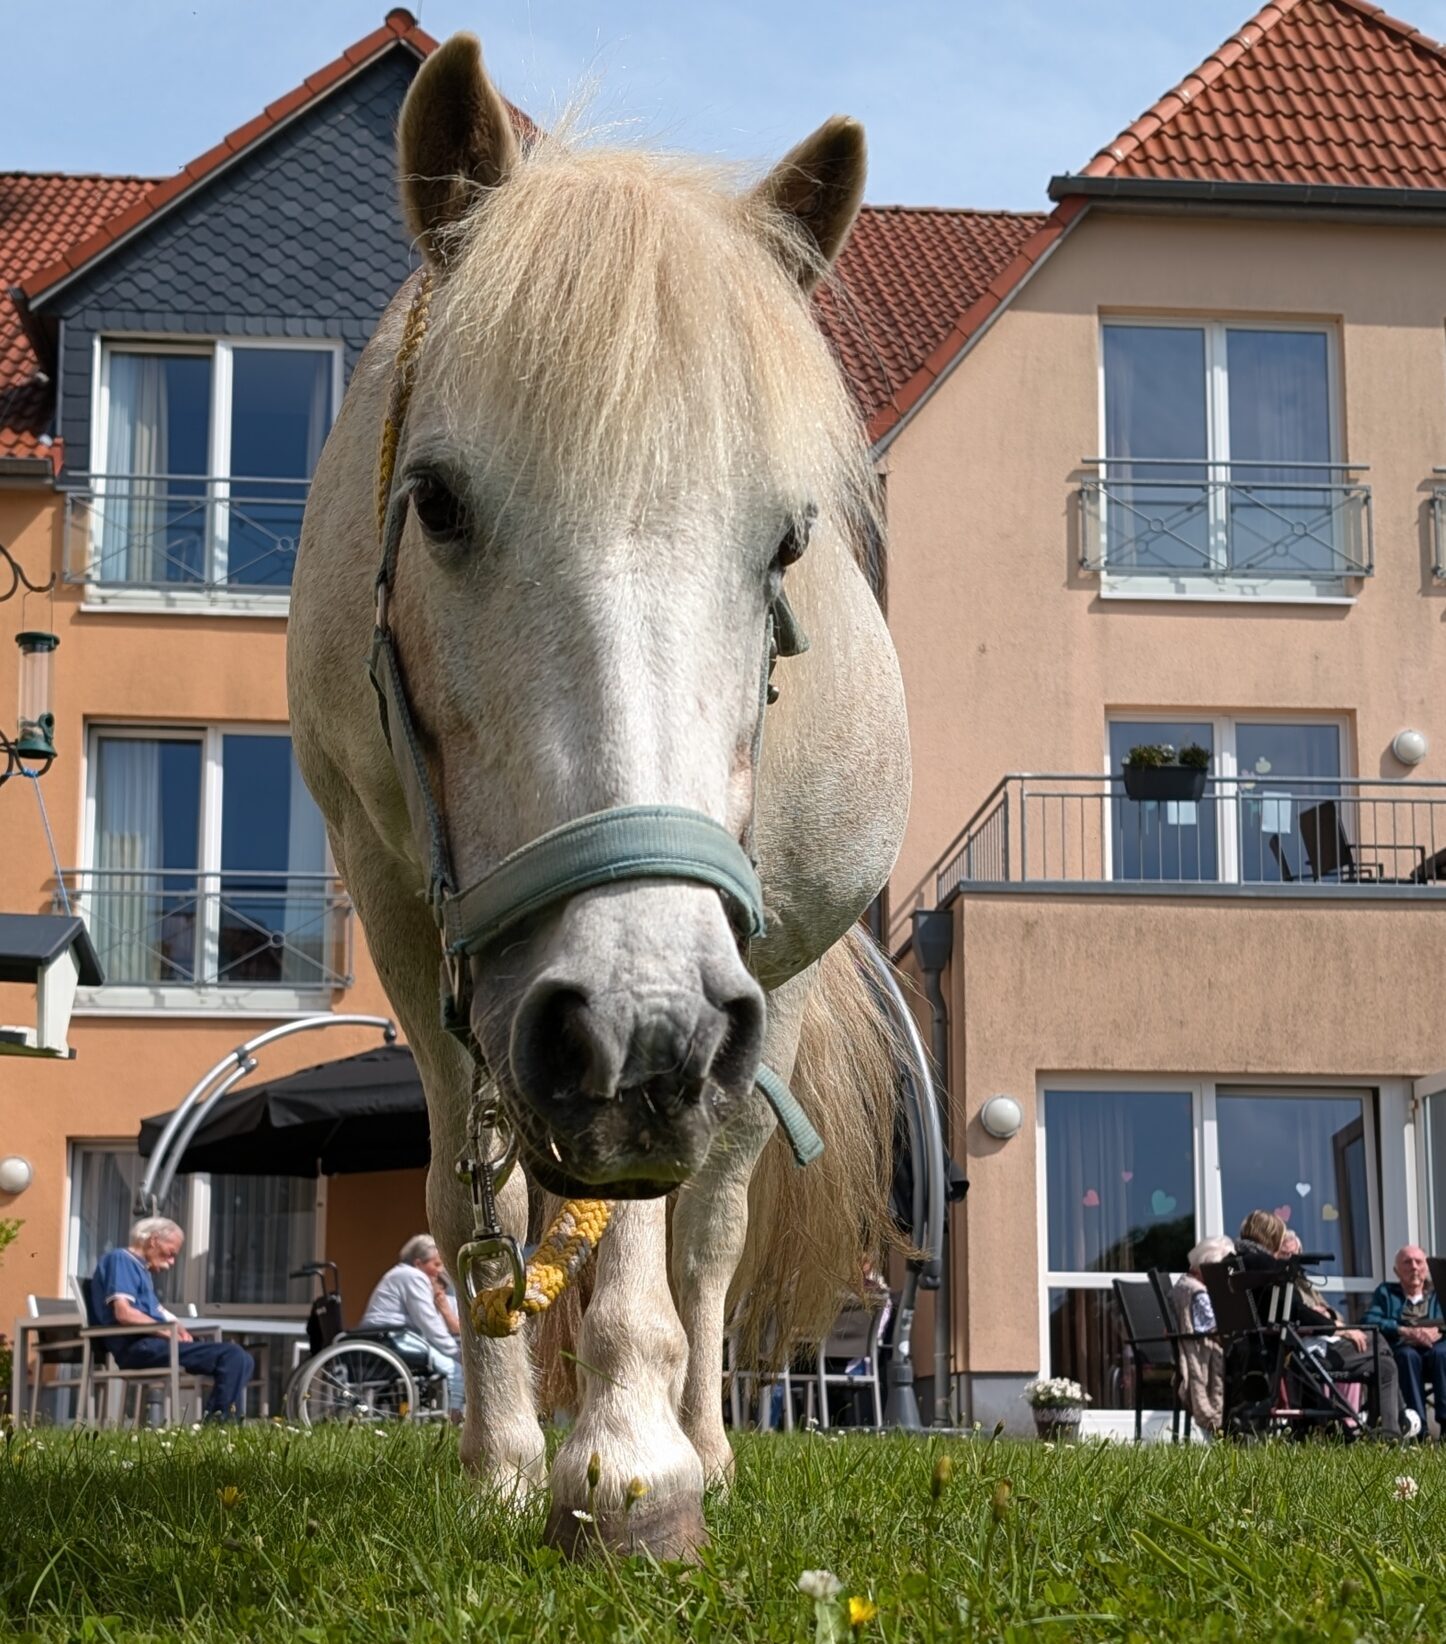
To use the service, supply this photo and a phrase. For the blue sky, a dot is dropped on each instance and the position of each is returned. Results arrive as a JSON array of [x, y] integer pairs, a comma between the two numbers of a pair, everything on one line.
[[965, 103]]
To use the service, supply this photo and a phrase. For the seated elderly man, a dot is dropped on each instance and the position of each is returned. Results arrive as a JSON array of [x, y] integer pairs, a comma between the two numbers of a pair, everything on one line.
[[1407, 1312], [409, 1298], [123, 1292], [1202, 1358]]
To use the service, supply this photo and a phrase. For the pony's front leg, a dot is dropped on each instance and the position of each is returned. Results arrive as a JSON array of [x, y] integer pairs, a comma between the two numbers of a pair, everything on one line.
[[710, 1228], [645, 1488], [502, 1442]]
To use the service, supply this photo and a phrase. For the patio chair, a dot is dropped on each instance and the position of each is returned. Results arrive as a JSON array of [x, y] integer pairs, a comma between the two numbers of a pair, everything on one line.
[[1273, 1380], [1328, 846], [100, 1373], [1151, 1341], [55, 1343], [747, 1383], [853, 1339]]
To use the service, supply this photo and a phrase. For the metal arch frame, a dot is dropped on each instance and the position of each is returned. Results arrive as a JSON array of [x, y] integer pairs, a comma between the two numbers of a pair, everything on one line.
[[208, 1090], [921, 1108]]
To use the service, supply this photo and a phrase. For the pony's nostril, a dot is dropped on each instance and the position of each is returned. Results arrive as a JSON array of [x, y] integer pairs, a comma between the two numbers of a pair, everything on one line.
[[735, 1062], [561, 1047]]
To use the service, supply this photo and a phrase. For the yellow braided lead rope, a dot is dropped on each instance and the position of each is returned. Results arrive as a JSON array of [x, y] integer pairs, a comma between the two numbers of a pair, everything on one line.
[[404, 374], [571, 1239]]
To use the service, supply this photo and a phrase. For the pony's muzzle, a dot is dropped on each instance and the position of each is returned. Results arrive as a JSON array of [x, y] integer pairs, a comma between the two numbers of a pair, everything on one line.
[[633, 1084]]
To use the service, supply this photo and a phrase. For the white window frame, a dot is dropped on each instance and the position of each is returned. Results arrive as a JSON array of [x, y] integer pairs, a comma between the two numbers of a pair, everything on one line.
[[1209, 1198], [221, 351], [195, 1224], [276, 1003], [1183, 587], [1225, 772]]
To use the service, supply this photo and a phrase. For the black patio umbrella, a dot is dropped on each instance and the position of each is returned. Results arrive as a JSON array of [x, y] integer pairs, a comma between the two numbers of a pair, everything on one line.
[[363, 1112]]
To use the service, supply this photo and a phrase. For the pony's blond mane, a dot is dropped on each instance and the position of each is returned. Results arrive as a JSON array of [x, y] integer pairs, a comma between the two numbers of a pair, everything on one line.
[[633, 324]]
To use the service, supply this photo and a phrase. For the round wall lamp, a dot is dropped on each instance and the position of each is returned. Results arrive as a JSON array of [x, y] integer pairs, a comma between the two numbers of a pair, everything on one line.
[[15, 1174], [1001, 1117], [1410, 747]]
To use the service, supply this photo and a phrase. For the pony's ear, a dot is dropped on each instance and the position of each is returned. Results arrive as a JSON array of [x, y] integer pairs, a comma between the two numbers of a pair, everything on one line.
[[820, 185], [454, 137]]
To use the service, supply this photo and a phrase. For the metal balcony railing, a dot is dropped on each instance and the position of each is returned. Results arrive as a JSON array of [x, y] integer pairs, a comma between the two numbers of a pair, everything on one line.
[[168, 927], [1226, 520], [1283, 833], [173, 532]]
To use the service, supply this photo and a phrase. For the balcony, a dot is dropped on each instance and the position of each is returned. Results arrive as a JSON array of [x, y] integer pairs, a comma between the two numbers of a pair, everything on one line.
[[223, 934], [1275, 836], [1225, 524], [183, 540]]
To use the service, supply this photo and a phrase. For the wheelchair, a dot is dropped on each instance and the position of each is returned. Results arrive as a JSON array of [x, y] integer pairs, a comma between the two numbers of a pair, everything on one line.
[[358, 1376]]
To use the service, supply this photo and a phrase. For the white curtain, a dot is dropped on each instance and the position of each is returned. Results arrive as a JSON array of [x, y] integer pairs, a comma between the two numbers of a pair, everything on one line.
[[261, 1228], [133, 513], [131, 912], [307, 956]]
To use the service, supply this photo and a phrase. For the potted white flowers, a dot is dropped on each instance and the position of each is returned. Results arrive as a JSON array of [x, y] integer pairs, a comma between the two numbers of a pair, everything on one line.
[[1154, 770], [1058, 1403]]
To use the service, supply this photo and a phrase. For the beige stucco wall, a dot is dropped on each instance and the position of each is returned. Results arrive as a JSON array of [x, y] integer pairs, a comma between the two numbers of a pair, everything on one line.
[[173, 669], [1044, 985], [1011, 658]]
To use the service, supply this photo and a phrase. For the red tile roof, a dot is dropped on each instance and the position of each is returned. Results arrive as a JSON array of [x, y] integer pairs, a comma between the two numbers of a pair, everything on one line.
[[40, 215], [918, 285], [1308, 91]]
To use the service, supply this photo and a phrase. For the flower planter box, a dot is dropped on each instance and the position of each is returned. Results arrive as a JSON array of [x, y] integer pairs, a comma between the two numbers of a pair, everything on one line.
[[1058, 1424], [1162, 782]]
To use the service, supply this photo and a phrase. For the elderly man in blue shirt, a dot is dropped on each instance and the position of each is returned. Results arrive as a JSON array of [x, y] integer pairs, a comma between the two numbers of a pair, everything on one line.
[[1407, 1312], [123, 1292]]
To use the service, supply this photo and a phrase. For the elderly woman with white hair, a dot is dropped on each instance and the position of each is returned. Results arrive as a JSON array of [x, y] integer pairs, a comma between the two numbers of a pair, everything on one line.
[[408, 1299], [1202, 1358]]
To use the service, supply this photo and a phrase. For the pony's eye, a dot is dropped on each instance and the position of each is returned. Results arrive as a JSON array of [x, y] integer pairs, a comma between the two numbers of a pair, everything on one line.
[[795, 540], [442, 512]]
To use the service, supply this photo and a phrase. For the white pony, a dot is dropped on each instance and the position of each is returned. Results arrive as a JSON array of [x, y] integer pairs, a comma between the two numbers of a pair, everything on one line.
[[605, 433]]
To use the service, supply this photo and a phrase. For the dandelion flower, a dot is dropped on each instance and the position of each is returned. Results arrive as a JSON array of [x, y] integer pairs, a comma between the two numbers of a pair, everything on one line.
[[820, 1584], [1406, 1488], [229, 1496], [636, 1491], [943, 1474], [594, 1470], [861, 1611]]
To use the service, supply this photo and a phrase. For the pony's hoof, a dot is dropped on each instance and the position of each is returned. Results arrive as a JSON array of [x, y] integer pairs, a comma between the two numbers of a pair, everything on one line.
[[670, 1530]]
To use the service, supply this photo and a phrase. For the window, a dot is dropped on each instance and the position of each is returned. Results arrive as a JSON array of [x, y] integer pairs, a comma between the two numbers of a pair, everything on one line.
[[1220, 463], [1134, 1174], [205, 455], [209, 864], [1275, 810], [244, 1234]]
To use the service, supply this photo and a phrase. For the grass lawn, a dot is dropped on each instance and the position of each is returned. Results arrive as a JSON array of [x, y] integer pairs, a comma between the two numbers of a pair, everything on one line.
[[355, 1535]]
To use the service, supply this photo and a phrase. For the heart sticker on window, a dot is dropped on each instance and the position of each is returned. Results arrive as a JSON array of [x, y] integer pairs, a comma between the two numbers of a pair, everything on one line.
[[1329, 1213], [1127, 1175], [1303, 1188], [1090, 1200], [1283, 1211], [1161, 1202]]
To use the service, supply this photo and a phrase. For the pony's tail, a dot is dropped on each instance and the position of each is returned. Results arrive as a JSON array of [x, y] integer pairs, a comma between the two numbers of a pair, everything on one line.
[[814, 1233]]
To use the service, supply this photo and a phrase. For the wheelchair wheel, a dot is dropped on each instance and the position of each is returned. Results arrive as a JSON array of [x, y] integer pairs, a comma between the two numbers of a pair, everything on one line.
[[351, 1381]]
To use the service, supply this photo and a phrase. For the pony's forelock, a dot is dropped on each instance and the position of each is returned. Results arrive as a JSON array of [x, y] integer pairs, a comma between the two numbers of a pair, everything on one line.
[[633, 324]]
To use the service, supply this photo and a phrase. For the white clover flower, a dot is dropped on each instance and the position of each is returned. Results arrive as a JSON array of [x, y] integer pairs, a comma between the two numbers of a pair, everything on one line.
[[1406, 1489], [820, 1584]]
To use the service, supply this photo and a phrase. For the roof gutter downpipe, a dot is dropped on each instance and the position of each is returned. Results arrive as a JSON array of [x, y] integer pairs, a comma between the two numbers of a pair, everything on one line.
[[901, 1406], [934, 947]]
